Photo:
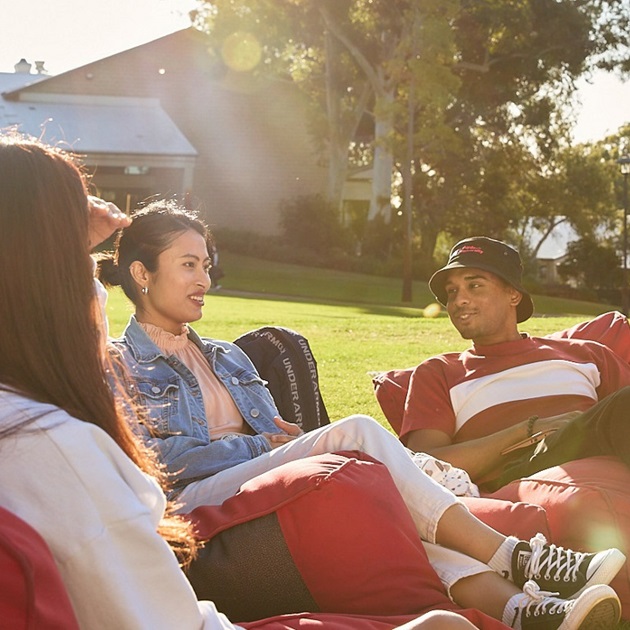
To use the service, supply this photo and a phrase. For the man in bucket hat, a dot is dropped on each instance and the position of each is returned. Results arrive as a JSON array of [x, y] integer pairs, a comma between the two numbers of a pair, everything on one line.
[[485, 254], [484, 409]]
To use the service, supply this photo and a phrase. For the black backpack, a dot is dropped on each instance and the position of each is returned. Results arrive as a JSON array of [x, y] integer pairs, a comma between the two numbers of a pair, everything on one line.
[[284, 359]]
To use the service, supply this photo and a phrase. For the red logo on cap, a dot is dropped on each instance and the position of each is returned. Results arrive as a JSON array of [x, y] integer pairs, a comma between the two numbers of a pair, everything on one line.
[[471, 249]]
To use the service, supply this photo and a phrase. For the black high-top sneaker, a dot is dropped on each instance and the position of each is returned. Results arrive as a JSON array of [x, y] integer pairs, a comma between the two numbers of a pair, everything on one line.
[[563, 571], [597, 608]]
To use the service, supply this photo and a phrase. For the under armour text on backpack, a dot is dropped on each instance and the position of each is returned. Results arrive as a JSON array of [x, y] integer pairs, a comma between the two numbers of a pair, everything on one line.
[[284, 359]]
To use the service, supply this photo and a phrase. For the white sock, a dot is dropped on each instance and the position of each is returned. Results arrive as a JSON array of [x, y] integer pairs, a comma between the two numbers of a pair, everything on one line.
[[510, 612], [501, 561]]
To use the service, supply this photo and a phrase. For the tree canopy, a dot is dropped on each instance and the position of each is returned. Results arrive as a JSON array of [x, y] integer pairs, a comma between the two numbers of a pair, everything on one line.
[[488, 84]]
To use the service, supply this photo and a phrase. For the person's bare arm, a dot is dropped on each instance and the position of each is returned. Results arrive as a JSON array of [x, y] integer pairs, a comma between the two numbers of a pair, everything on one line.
[[482, 455]]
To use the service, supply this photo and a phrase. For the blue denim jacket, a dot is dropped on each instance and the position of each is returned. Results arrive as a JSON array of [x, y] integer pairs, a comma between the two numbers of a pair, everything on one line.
[[172, 397]]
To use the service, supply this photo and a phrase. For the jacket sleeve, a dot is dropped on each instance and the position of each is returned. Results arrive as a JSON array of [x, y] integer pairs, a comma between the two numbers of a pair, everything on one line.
[[172, 415], [146, 589], [189, 458]]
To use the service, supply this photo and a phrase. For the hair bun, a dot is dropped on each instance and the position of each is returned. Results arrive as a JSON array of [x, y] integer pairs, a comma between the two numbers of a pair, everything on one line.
[[107, 269]]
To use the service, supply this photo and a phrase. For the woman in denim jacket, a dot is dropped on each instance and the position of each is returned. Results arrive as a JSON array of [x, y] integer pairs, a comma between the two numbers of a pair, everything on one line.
[[172, 396], [207, 408]]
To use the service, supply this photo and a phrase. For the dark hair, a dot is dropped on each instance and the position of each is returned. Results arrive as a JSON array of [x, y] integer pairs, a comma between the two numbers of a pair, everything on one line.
[[50, 335], [152, 231], [50, 332]]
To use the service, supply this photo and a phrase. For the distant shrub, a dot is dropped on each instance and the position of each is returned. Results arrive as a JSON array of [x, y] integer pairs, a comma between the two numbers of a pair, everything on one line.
[[312, 235], [311, 223]]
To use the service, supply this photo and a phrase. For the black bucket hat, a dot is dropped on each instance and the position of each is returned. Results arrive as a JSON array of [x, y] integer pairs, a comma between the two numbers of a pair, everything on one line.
[[481, 252]]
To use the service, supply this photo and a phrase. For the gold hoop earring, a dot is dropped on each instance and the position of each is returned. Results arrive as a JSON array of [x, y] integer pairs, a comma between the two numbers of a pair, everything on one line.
[[144, 290]]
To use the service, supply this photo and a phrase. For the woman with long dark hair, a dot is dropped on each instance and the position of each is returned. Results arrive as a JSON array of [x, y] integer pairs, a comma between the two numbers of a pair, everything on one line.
[[70, 465]]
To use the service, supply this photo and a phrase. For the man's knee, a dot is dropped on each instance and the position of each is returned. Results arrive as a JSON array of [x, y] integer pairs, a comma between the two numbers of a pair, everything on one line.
[[618, 401]]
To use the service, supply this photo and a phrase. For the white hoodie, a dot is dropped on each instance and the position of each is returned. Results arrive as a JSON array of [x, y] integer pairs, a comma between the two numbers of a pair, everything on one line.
[[98, 513]]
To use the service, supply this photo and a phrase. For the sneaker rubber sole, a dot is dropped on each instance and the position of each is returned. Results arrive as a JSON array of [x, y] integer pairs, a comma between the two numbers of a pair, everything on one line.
[[597, 608]]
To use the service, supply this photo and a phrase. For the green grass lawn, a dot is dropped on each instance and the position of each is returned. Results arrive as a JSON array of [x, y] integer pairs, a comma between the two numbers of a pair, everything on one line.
[[272, 278], [355, 324]]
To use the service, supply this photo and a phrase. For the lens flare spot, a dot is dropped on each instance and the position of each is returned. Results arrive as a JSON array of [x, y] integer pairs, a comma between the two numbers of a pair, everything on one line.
[[241, 51], [432, 310], [602, 536]]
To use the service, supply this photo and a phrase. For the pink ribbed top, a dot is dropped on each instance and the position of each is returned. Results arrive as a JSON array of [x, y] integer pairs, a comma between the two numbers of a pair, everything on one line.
[[222, 414]]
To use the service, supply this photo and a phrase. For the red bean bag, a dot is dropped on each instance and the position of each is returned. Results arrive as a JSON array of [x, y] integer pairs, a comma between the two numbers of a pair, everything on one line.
[[331, 621], [587, 508], [610, 329], [32, 594], [327, 534], [512, 517]]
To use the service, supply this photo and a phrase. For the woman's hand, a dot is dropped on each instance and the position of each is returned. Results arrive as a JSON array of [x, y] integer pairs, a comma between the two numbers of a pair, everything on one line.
[[288, 427], [290, 432], [105, 218]]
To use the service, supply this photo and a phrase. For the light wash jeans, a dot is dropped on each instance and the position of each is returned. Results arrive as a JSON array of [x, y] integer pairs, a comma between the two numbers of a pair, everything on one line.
[[425, 499]]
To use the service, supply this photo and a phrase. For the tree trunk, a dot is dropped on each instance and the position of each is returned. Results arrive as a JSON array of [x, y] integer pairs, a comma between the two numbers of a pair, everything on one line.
[[380, 203], [428, 240], [337, 147]]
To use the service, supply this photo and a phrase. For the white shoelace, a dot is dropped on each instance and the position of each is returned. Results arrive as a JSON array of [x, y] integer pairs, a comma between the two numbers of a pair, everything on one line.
[[540, 600], [556, 558]]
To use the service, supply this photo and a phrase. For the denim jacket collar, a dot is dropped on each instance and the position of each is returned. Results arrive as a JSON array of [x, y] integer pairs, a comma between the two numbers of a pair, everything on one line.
[[145, 351]]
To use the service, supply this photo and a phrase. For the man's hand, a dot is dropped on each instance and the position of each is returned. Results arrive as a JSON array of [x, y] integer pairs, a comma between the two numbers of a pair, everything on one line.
[[105, 219], [290, 432], [555, 422], [481, 456]]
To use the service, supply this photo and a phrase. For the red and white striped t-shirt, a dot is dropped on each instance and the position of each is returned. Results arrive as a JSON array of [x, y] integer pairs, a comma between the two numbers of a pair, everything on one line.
[[488, 388]]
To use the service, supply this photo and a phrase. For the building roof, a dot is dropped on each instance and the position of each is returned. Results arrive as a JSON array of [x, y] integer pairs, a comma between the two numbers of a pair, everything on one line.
[[246, 137], [91, 124], [10, 81]]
